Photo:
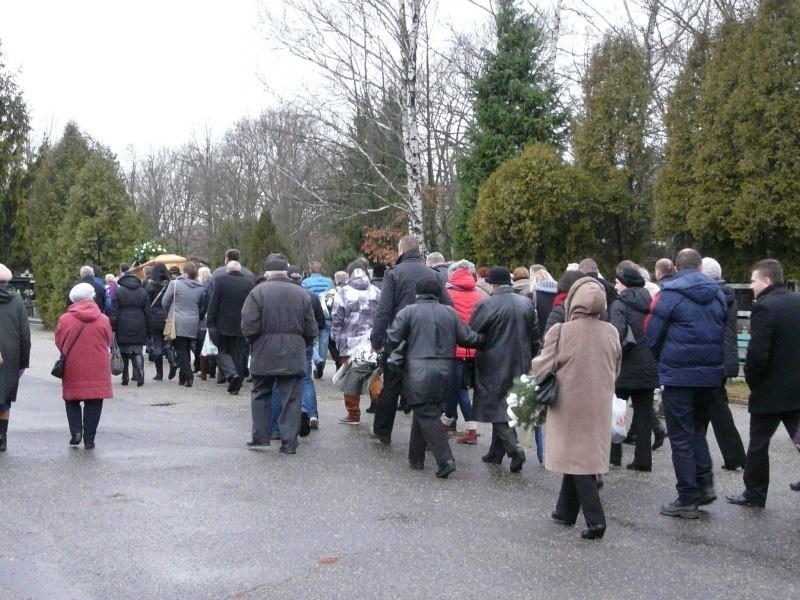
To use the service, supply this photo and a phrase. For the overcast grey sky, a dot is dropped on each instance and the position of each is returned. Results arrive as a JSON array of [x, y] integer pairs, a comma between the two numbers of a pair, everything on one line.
[[147, 73]]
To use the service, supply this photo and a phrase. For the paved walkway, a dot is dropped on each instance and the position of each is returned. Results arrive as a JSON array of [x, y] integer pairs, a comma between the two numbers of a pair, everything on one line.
[[171, 504]]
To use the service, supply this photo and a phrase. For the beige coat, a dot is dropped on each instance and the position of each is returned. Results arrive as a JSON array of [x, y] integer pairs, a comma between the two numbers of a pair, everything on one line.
[[578, 426]]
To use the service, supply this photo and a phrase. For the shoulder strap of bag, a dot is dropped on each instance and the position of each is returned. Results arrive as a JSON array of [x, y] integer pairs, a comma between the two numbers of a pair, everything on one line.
[[72, 345], [158, 296]]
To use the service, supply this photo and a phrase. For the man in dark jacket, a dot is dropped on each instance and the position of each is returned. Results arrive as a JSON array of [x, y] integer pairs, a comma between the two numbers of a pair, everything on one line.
[[719, 413], [772, 370], [223, 320], [278, 321], [431, 332], [399, 290], [589, 267], [509, 325], [437, 262], [87, 276], [685, 330]]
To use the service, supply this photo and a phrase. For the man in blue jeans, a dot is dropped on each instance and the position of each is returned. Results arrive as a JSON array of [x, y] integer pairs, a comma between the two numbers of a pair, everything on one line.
[[686, 330], [318, 284]]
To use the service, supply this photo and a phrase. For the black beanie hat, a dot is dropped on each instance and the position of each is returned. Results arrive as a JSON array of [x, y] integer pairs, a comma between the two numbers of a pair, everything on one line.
[[630, 277], [429, 286]]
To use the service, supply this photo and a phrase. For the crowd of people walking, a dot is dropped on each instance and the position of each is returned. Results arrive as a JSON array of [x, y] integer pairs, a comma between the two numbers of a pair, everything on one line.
[[434, 330]]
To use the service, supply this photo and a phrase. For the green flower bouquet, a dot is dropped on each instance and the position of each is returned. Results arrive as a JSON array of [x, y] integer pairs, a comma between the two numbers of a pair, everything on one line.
[[524, 409]]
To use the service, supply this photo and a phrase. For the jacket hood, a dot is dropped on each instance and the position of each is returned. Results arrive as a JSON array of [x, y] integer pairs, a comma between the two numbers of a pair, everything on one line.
[[129, 281], [586, 297], [189, 282], [85, 310], [730, 293], [548, 287], [359, 280], [7, 293], [638, 298], [462, 278], [694, 285]]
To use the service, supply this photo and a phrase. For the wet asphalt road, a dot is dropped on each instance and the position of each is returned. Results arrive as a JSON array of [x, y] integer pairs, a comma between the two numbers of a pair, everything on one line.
[[171, 504]]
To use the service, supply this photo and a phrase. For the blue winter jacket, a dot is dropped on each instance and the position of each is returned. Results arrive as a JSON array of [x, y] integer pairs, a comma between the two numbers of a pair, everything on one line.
[[316, 284], [686, 329]]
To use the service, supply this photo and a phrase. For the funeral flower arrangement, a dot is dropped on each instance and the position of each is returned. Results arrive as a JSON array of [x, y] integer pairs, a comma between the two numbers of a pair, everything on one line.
[[146, 251], [524, 409]]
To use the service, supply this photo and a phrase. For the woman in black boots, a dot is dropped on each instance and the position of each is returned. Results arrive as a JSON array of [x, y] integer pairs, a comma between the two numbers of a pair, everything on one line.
[[157, 282], [130, 312]]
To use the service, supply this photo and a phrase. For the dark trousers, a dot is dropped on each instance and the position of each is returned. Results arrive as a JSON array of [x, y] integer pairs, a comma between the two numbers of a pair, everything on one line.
[[504, 440], [426, 431], [290, 390], [728, 438], [84, 421], [386, 405], [183, 348], [232, 355], [641, 426], [580, 492], [686, 410], [756, 468]]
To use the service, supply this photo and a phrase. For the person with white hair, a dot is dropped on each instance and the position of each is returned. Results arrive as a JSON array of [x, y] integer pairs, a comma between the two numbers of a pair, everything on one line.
[[15, 348], [87, 276], [83, 336]]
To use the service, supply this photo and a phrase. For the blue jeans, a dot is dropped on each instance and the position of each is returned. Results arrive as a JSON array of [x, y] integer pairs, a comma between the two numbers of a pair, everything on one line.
[[309, 403], [461, 398], [686, 411], [321, 344]]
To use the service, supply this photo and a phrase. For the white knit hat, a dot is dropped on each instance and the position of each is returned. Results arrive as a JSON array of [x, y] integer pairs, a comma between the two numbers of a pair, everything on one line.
[[711, 268], [82, 291], [5, 273]]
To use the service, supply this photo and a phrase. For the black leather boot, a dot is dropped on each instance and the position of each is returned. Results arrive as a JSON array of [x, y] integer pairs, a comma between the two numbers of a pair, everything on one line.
[[159, 362], [137, 362]]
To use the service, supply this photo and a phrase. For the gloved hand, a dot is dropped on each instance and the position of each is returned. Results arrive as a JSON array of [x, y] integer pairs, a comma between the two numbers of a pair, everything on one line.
[[20, 372]]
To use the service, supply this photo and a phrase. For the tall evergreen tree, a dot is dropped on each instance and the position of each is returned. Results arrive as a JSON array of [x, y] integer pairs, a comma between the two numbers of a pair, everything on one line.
[[84, 216], [14, 129], [612, 142], [263, 240], [515, 104]]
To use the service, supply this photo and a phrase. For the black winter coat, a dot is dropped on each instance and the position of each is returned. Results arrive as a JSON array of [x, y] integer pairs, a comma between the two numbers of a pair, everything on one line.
[[731, 355], [15, 341], [228, 293], [130, 311], [399, 290], [158, 317], [639, 370], [772, 369], [431, 332], [511, 339]]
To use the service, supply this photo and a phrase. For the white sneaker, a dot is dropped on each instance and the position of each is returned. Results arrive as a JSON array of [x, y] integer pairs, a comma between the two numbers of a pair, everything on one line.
[[314, 423]]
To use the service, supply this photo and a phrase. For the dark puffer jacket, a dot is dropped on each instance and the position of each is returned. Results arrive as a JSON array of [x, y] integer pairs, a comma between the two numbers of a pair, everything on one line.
[[130, 312], [686, 330], [639, 369], [431, 332], [15, 341], [731, 350]]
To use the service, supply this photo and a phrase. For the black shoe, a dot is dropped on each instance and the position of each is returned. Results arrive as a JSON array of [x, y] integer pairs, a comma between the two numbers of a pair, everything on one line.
[[447, 467], [630, 439], [370, 409], [124, 382], [732, 467], [680, 509], [517, 460], [189, 382], [75, 439], [706, 496], [172, 372], [88, 442], [234, 384], [635, 467], [383, 439], [252, 444], [616, 462], [795, 486], [416, 465], [319, 369], [594, 532], [287, 450], [742, 500], [158, 377], [3, 442], [561, 520], [305, 424], [660, 435], [492, 459]]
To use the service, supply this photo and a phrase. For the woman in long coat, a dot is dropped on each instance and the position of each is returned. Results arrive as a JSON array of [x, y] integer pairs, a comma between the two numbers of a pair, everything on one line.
[[130, 313], [585, 353], [83, 334], [184, 300], [15, 348], [156, 287]]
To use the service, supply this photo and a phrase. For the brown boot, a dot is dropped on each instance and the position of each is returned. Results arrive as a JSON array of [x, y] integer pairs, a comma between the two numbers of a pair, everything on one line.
[[203, 367], [353, 406]]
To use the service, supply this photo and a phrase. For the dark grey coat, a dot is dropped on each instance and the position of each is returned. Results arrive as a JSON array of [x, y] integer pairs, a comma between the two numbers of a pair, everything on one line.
[[15, 341], [278, 321], [431, 332], [509, 324]]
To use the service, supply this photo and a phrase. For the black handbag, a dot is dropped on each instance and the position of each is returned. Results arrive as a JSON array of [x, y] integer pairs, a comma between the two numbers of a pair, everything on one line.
[[629, 341], [58, 368], [468, 373], [547, 388]]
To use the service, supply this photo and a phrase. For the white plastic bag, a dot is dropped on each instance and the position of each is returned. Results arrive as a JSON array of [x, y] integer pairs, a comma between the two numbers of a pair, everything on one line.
[[619, 418], [209, 349]]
